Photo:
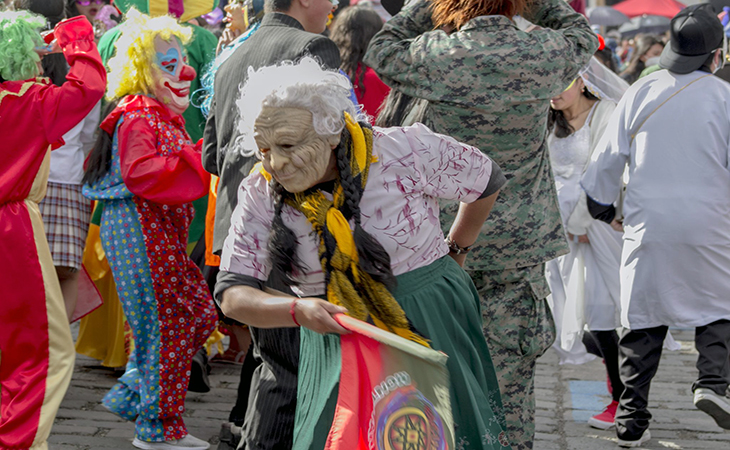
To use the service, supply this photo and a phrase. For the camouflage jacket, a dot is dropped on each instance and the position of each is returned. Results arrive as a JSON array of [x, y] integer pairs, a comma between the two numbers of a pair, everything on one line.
[[489, 85]]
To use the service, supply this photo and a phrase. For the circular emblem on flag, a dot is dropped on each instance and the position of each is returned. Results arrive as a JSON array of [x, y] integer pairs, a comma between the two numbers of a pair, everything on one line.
[[410, 422]]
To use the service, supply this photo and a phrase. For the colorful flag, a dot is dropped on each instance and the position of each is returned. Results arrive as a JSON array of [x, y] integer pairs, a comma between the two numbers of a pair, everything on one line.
[[393, 393], [184, 10]]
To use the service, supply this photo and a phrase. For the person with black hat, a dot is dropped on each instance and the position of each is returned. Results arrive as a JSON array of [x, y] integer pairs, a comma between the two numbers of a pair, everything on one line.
[[672, 129]]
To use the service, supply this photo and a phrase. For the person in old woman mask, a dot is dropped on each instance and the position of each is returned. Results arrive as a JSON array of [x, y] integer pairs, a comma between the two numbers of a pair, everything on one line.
[[347, 215]]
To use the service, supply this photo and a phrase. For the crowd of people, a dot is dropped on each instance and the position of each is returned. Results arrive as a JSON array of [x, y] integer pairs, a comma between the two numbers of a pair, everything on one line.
[[485, 179]]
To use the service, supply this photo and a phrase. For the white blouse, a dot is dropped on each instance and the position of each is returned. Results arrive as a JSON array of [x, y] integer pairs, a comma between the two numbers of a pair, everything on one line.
[[399, 206]]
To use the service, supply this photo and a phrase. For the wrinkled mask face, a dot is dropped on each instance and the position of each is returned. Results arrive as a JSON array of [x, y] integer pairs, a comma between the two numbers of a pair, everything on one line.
[[292, 151], [171, 75]]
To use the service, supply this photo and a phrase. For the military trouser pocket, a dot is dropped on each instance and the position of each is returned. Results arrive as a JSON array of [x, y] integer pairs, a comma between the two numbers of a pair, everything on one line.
[[515, 312], [539, 334]]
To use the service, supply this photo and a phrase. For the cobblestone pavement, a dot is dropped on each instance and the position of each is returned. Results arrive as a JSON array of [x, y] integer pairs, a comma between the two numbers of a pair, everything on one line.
[[566, 397]]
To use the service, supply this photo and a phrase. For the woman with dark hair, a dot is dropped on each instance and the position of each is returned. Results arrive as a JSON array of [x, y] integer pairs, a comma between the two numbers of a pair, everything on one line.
[[348, 215], [585, 283], [646, 47], [352, 31]]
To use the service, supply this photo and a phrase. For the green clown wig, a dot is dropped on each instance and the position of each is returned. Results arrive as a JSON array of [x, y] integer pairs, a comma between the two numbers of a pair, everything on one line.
[[19, 37], [130, 70]]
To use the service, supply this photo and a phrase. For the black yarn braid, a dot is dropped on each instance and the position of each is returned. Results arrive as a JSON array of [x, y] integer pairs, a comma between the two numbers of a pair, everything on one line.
[[373, 258], [283, 243]]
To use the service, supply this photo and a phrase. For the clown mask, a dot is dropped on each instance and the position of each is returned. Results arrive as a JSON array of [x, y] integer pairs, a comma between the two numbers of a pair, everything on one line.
[[171, 75], [292, 151]]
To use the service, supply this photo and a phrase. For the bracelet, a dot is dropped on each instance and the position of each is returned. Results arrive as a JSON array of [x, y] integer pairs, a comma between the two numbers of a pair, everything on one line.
[[456, 248], [293, 313]]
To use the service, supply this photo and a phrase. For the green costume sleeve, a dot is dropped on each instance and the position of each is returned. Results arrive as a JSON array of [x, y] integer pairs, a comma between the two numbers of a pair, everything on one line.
[[201, 52], [106, 45]]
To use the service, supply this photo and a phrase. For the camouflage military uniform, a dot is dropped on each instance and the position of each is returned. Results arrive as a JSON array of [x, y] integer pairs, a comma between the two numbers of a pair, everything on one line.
[[489, 85]]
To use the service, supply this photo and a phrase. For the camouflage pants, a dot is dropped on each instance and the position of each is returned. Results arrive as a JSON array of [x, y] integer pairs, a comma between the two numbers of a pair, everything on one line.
[[519, 328]]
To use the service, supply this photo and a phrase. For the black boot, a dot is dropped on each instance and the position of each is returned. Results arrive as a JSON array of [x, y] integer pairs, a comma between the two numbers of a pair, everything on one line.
[[199, 370]]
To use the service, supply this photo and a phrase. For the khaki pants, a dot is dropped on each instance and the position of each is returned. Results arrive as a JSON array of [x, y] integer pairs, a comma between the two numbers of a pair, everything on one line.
[[519, 328]]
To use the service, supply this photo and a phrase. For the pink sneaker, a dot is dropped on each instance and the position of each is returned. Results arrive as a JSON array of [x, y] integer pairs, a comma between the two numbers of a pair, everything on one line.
[[605, 420]]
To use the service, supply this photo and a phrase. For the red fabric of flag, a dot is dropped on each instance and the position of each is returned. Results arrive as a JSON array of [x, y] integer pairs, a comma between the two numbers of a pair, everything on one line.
[[393, 393]]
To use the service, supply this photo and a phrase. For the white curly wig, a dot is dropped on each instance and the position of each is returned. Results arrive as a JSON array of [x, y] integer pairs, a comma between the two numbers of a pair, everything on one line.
[[303, 84]]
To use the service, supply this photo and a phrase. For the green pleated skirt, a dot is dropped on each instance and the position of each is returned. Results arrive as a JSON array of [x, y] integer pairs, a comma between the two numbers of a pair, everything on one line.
[[442, 303]]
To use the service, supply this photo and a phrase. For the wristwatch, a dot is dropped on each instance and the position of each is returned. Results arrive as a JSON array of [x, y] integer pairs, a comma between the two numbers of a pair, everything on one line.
[[455, 248]]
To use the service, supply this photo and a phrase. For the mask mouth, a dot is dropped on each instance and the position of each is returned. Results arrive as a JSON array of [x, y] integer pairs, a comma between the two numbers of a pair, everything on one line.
[[284, 177], [181, 89]]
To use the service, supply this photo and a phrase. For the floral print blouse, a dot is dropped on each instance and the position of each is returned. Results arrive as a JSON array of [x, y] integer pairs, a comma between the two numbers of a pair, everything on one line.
[[414, 168]]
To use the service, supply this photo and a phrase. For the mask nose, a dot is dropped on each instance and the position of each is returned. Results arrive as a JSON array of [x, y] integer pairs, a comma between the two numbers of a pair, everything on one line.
[[277, 161], [187, 73]]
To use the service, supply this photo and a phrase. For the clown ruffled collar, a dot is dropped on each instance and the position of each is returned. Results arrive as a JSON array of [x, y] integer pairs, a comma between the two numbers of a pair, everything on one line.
[[137, 102]]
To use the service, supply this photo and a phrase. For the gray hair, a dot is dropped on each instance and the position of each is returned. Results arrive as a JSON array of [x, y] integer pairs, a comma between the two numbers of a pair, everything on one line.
[[304, 85]]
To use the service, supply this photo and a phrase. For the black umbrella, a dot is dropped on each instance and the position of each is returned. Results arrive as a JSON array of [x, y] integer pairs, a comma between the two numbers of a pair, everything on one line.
[[606, 16], [644, 24]]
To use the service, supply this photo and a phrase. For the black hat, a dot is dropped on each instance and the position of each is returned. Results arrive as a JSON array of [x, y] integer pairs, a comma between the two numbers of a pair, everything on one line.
[[696, 32]]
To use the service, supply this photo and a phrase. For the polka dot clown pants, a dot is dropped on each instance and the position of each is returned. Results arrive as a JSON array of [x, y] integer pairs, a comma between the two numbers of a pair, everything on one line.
[[168, 306]]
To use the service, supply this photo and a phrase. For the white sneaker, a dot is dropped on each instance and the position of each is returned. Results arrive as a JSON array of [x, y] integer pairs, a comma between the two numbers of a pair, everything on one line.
[[189, 442], [716, 406], [637, 443]]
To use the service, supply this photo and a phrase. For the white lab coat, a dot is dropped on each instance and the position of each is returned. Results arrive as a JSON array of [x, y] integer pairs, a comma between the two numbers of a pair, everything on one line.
[[675, 264]]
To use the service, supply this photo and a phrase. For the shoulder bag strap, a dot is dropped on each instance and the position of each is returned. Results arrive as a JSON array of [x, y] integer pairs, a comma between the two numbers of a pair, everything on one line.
[[633, 135]]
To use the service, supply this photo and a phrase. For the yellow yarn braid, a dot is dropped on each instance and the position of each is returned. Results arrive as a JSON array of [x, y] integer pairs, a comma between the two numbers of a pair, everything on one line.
[[366, 297]]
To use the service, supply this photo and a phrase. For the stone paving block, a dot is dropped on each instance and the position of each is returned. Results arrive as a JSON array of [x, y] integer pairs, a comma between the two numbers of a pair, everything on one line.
[[547, 445], [543, 414], [67, 447], [120, 433], [722, 436], [665, 434], [546, 428], [694, 444], [97, 423], [545, 404], [590, 442], [62, 428], [91, 442], [552, 437], [64, 413]]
